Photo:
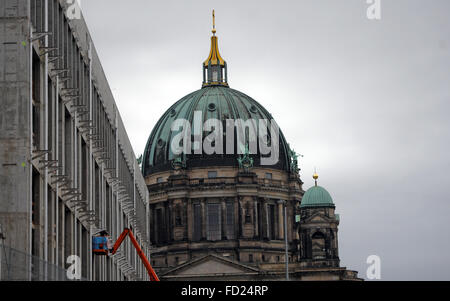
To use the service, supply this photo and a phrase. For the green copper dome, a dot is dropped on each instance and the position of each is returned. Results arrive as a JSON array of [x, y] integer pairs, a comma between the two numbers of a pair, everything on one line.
[[316, 196], [214, 102]]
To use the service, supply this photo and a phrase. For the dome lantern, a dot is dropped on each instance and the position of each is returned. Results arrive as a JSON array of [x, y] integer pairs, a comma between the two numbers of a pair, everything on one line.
[[215, 67], [316, 196]]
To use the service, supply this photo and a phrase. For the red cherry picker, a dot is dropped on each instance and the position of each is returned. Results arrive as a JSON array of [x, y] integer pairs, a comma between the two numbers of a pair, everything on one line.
[[100, 247]]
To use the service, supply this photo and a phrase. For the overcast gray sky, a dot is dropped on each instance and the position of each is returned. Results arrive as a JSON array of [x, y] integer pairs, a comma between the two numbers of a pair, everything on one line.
[[365, 101]]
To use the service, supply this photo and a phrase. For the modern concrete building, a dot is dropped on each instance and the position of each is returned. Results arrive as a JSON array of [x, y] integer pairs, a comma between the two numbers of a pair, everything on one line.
[[67, 169], [226, 215]]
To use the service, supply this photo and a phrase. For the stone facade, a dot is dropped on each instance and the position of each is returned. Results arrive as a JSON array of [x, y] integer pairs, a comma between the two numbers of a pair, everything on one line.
[[250, 225], [230, 213]]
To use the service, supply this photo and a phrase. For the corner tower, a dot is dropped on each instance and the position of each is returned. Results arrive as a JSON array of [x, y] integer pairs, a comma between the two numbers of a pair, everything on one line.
[[318, 228]]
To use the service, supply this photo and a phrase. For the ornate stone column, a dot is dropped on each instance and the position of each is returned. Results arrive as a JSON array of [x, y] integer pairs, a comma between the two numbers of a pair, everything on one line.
[[171, 219], [236, 219], [280, 220], [189, 220], [335, 234], [223, 218], [255, 217], [265, 219], [151, 223], [241, 217], [168, 220], [203, 204]]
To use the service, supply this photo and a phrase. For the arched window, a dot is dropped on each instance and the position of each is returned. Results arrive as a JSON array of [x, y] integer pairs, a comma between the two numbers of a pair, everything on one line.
[[318, 245]]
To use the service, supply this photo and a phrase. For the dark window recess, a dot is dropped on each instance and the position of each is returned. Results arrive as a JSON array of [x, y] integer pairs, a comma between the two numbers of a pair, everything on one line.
[[35, 215], [271, 221], [250, 258], [178, 219], [248, 215], [197, 222], [260, 221], [213, 222], [268, 175], [160, 226], [230, 220], [36, 95]]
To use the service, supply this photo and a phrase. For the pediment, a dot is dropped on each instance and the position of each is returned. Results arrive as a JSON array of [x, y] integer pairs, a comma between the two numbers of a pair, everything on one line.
[[318, 218], [211, 265]]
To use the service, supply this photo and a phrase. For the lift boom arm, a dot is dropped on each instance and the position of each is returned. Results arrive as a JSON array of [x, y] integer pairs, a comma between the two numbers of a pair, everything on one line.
[[151, 272]]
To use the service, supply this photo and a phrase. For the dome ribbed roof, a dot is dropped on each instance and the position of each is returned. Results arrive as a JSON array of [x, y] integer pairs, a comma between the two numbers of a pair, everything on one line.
[[317, 196], [215, 102]]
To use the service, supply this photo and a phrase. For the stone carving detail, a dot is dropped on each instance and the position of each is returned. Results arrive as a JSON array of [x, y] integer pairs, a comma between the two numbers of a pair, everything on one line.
[[294, 161], [245, 161], [179, 163]]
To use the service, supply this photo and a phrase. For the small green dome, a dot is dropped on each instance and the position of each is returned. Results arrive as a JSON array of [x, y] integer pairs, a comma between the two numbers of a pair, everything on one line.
[[317, 196]]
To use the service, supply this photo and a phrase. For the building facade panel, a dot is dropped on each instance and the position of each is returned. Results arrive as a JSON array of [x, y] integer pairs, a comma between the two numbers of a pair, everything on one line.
[[68, 170]]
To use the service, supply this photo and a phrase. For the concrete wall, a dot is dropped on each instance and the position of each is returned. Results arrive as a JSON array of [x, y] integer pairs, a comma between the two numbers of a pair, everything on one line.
[[14, 123], [67, 168]]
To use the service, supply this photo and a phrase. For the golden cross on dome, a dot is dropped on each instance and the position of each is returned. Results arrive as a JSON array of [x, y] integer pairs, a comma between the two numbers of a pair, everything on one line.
[[214, 23], [315, 176]]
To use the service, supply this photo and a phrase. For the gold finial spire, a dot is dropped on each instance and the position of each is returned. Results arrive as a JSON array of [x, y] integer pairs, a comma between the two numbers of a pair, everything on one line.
[[214, 23], [214, 55], [215, 67], [315, 176]]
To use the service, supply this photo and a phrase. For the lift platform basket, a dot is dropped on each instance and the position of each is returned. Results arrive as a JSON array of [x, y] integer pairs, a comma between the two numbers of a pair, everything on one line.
[[100, 245]]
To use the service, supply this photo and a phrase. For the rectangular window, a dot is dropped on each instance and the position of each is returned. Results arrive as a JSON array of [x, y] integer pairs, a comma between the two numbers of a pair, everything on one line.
[[84, 252], [268, 176], [36, 97], [108, 207], [159, 180], [213, 222], [212, 174], [197, 222], [60, 231], [68, 143], [35, 212], [67, 232], [161, 226], [271, 221]]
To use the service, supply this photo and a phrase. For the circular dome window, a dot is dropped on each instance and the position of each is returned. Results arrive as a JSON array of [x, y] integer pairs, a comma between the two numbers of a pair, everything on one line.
[[254, 109], [160, 143], [173, 112], [211, 107]]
